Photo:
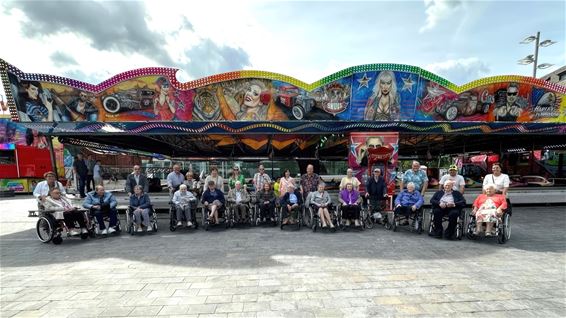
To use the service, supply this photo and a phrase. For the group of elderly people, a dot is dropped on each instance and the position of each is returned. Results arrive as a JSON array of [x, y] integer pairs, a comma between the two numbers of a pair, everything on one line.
[[448, 201]]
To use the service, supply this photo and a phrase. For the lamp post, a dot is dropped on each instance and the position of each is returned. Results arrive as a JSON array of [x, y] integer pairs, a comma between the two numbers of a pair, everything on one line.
[[533, 58]]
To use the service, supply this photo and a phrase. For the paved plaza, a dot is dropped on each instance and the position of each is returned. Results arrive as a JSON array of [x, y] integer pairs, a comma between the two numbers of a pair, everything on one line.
[[266, 272]]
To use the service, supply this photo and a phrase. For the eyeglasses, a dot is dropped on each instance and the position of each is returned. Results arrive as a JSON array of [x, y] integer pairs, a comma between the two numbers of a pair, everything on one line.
[[512, 93], [165, 85]]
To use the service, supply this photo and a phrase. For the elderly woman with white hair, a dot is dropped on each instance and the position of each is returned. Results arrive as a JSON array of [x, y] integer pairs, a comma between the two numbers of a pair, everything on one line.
[[350, 178], [408, 201], [140, 205], [184, 202], [321, 200], [487, 208]]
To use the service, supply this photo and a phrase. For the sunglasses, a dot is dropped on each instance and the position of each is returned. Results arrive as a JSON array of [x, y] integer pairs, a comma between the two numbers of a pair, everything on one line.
[[512, 93]]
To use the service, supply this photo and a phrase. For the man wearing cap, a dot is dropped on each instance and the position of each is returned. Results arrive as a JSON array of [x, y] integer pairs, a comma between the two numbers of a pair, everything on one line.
[[376, 191], [458, 182], [43, 188]]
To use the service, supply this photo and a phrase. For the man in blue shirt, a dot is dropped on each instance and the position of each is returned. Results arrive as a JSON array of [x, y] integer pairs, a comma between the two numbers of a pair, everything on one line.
[[416, 176]]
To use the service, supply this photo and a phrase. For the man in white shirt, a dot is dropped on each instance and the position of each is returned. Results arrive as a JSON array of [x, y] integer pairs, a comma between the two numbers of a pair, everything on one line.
[[458, 182]]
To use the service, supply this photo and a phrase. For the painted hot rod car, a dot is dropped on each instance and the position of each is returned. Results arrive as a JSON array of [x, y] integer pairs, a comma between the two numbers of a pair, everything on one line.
[[130, 99]]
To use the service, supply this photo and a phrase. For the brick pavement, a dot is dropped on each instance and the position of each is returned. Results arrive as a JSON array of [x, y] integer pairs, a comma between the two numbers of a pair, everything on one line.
[[266, 272]]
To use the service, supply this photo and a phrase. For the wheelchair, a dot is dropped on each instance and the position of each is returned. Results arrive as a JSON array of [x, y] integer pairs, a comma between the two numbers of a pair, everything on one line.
[[224, 217], [415, 221], [341, 221], [259, 214], [370, 215], [51, 229], [459, 230], [106, 218], [250, 214], [298, 221], [173, 216], [502, 227], [130, 220], [316, 222]]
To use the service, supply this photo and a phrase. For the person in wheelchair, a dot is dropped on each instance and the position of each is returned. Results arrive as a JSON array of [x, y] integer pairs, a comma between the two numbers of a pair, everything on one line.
[[488, 208], [140, 205], [265, 199], [291, 203], [408, 201], [351, 201], [446, 202], [42, 189], [100, 203], [184, 202], [213, 200], [239, 199], [320, 200], [376, 191], [63, 209]]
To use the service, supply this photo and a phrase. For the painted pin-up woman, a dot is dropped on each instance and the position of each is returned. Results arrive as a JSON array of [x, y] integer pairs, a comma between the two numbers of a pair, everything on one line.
[[255, 104], [383, 104]]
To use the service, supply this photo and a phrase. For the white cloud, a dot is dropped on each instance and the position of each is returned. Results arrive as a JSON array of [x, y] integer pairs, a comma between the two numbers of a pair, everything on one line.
[[460, 71], [437, 10]]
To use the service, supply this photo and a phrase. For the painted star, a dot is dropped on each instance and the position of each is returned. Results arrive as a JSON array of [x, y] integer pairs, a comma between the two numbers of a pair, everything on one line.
[[364, 81], [353, 148], [408, 84]]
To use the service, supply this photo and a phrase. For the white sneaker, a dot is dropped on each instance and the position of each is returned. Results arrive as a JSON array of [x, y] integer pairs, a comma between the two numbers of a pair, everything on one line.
[[111, 230], [378, 215], [139, 230], [75, 232], [149, 229], [104, 232], [84, 231], [189, 223], [179, 223]]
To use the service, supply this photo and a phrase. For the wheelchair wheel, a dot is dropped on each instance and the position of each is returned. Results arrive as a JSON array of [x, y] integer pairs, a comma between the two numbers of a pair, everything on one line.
[[430, 223], [369, 220], [390, 219], [470, 227], [84, 236], [45, 228], [394, 223], [505, 229], [57, 240], [155, 226], [307, 217]]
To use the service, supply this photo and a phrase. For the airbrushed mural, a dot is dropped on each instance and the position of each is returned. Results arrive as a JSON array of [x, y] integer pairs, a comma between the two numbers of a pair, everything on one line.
[[500, 102], [374, 93]]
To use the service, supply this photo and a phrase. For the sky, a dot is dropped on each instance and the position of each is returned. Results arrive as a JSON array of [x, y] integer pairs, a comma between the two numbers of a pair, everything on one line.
[[458, 40]]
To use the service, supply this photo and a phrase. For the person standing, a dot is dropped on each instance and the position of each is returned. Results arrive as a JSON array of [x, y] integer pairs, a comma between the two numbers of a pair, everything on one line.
[[174, 179], [90, 173], [309, 181], [97, 174], [458, 182], [81, 171], [260, 178], [417, 177], [376, 191], [136, 178]]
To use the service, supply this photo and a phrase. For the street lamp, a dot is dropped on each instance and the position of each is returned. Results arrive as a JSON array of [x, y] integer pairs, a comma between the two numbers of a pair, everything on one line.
[[533, 58]]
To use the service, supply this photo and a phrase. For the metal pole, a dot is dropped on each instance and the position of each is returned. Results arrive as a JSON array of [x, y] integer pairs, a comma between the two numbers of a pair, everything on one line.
[[52, 155], [536, 55]]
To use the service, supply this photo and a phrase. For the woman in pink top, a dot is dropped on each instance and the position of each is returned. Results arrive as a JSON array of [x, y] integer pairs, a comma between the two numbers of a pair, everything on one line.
[[285, 181], [488, 208]]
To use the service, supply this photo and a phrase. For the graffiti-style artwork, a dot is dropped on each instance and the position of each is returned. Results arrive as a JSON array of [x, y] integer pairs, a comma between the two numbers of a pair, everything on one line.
[[360, 145]]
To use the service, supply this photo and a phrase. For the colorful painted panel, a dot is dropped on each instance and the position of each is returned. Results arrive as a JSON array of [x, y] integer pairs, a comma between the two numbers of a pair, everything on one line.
[[384, 96], [374, 93], [360, 145]]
